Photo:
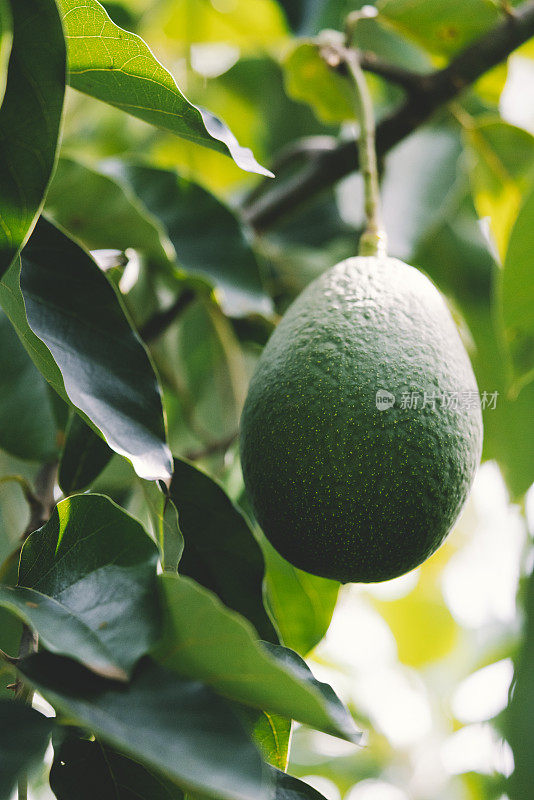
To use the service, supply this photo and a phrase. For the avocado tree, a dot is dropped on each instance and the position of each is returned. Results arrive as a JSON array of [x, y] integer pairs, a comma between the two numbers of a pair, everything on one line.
[[224, 393]]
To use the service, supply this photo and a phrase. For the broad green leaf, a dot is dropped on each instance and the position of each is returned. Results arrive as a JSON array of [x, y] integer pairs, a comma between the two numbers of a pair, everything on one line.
[[220, 550], [83, 458], [441, 26], [99, 364], [6, 40], [207, 236], [89, 769], [309, 79], [519, 719], [302, 604], [27, 424], [203, 639], [178, 727], [502, 171], [103, 215], [117, 67], [517, 291], [30, 118], [24, 735], [87, 585]]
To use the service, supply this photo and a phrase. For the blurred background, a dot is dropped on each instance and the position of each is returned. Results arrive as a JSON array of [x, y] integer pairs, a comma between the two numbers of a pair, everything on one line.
[[426, 662]]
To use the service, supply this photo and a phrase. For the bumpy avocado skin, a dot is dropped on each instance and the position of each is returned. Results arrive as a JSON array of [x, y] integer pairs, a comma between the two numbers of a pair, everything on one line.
[[342, 489]]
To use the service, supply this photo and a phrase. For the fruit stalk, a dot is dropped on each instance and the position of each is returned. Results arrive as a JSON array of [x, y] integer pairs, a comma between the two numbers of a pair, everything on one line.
[[373, 239]]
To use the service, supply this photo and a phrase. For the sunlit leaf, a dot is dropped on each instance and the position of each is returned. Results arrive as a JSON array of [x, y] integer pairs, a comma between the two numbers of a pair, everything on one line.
[[203, 639], [502, 172], [6, 40], [87, 585], [518, 291], [117, 67], [302, 604], [310, 80], [179, 727], [30, 118], [98, 363], [272, 734], [441, 26]]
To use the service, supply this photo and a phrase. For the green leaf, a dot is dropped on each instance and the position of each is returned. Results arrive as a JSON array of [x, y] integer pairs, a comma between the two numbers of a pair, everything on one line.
[[87, 585], [103, 215], [502, 171], [83, 458], [517, 291], [27, 423], [272, 734], [220, 550], [207, 236], [98, 364], [178, 727], [117, 67], [302, 604], [203, 639], [24, 735], [309, 79], [90, 769], [30, 119], [440, 26], [6, 41]]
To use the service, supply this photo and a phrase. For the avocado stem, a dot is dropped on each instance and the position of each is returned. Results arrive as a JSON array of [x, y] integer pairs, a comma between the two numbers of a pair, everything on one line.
[[373, 240]]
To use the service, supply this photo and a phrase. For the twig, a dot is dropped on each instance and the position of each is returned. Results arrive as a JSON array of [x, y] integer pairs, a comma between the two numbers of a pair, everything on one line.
[[161, 320], [407, 79], [434, 91], [373, 239]]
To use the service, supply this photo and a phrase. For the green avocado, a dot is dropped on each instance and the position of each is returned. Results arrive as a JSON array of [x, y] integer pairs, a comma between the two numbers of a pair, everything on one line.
[[362, 428]]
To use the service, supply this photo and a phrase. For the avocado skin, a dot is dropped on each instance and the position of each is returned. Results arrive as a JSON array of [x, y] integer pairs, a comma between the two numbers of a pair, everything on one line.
[[340, 488]]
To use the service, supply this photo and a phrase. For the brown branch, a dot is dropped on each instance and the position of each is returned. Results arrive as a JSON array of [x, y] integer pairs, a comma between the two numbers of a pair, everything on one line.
[[426, 96]]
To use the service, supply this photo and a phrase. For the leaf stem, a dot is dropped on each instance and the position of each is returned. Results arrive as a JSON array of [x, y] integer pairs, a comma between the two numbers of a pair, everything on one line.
[[373, 239]]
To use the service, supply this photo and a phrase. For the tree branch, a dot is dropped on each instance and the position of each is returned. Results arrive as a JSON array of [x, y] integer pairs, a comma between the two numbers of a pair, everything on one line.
[[426, 95]]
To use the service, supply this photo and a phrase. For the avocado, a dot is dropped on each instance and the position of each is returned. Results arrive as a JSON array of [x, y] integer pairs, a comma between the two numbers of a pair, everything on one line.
[[362, 428]]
